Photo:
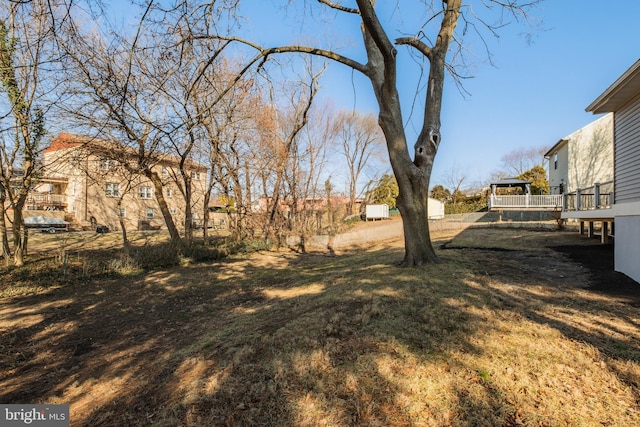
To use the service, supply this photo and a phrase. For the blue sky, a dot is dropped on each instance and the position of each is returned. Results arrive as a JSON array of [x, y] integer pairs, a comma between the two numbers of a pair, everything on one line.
[[533, 95]]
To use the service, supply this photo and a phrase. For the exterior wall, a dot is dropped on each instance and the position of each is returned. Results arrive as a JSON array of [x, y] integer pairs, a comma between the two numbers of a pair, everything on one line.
[[626, 254], [591, 154], [627, 149], [584, 157], [559, 169], [89, 200], [435, 209]]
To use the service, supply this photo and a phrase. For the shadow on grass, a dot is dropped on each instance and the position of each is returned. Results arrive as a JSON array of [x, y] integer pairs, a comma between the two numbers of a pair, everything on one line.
[[278, 339]]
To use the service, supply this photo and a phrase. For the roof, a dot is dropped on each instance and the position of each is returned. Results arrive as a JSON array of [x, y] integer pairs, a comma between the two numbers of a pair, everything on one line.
[[108, 149], [623, 90], [509, 182], [558, 145], [65, 141]]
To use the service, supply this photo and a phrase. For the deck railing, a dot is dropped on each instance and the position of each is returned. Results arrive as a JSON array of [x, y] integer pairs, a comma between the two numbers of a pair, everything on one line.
[[597, 196], [47, 199], [526, 201]]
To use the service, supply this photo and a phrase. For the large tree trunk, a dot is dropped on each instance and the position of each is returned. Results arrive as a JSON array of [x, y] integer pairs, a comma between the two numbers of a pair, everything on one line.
[[417, 240], [123, 228], [412, 175], [162, 203], [19, 235], [4, 238], [188, 214], [205, 217]]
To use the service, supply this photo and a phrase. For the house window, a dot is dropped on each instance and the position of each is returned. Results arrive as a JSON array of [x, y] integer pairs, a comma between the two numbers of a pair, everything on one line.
[[169, 192], [173, 211], [146, 192], [195, 175], [151, 213], [165, 171], [555, 161], [111, 189], [106, 164]]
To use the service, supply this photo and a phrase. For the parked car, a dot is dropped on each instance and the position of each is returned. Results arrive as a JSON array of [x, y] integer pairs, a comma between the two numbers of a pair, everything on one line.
[[46, 224], [101, 229]]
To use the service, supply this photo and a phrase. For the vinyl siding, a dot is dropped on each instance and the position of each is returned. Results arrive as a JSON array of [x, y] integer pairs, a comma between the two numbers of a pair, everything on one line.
[[627, 149]]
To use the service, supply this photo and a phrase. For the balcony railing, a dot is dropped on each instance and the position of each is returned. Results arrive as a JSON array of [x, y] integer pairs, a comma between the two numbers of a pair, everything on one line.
[[598, 196], [526, 201], [46, 199]]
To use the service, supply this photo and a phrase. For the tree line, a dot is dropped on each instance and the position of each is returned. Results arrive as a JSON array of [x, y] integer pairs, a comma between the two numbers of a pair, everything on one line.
[[170, 89], [182, 82]]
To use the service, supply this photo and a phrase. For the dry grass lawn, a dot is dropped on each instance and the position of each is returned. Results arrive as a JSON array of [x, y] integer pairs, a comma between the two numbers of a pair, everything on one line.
[[507, 331]]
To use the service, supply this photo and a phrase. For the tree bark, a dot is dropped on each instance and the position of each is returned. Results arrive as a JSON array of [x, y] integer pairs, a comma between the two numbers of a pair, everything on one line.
[[412, 176], [4, 238], [123, 228], [162, 203], [18, 237]]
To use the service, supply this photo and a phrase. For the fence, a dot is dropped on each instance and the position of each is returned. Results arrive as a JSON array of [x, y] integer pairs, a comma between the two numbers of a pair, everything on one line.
[[526, 201], [597, 196]]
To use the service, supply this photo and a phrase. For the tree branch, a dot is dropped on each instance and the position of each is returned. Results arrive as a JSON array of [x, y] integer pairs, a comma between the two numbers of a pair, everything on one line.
[[339, 7], [418, 44], [373, 26], [265, 53]]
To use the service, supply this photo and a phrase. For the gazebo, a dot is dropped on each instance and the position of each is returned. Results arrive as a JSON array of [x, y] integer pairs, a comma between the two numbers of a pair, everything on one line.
[[511, 183], [524, 201]]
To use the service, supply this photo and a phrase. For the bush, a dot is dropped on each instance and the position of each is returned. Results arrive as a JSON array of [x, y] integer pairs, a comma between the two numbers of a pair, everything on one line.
[[157, 256], [199, 253]]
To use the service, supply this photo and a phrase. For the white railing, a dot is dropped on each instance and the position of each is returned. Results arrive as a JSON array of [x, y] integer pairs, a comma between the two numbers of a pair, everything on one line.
[[46, 199], [526, 201]]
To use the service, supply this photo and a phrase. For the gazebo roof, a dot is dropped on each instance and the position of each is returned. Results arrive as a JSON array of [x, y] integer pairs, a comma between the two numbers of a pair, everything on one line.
[[511, 182]]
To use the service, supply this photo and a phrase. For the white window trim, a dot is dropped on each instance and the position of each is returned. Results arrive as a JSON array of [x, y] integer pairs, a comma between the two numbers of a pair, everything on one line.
[[107, 164], [147, 193], [112, 189]]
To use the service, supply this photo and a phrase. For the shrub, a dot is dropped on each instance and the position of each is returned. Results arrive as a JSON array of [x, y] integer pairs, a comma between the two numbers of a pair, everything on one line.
[[157, 256], [199, 253]]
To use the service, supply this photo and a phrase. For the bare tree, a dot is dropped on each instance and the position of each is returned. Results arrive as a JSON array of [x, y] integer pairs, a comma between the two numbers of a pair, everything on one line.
[[381, 68], [308, 162], [226, 127], [27, 69], [139, 91], [453, 179], [519, 161], [358, 137], [280, 130]]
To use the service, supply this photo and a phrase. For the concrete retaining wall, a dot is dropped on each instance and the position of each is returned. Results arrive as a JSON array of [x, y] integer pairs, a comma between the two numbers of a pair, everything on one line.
[[391, 229]]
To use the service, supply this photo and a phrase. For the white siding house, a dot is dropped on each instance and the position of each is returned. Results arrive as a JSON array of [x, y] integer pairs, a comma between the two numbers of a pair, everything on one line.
[[582, 158], [622, 99]]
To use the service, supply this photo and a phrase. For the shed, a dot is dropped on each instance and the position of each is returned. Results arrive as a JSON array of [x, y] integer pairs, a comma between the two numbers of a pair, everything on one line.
[[435, 209]]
